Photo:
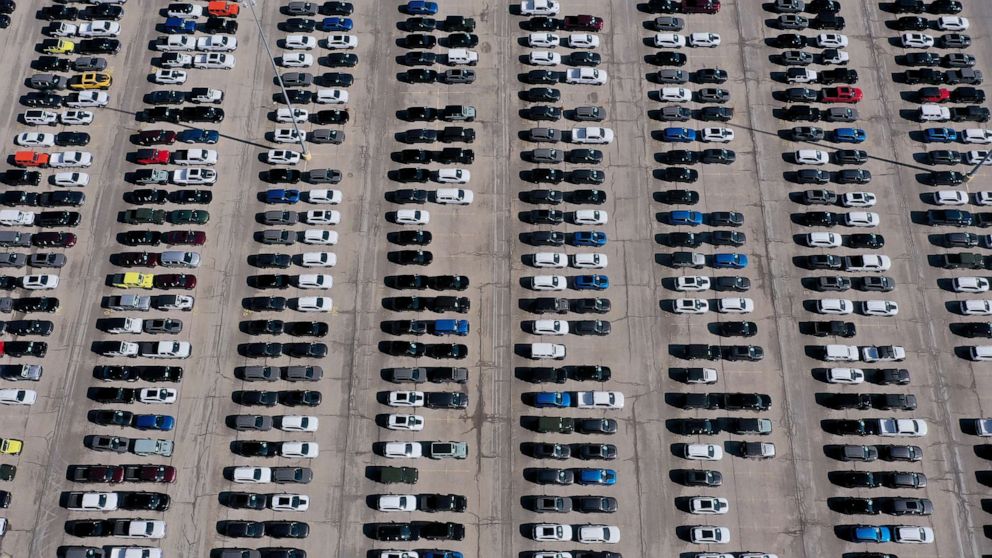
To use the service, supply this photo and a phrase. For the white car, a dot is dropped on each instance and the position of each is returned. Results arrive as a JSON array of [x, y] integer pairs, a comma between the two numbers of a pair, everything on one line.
[[975, 307], [708, 505], [543, 58], [40, 117], [169, 77], [252, 475], [320, 236], [217, 43], [453, 196], [307, 450], [717, 135], [405, 422], [543, 40], [850, 376], [165, 396], [551, 532], [831, 40], [300, 42], [735, 305], [296, 115], [331, 97], [708, 534], [803, 76], [674, 95], [970, 284], [397, 503], [952, 23], [18, 396], [214, 61], [405, 554], [314, 304], [282, 157], [692, 283], [703, 452], [593, 534], [289, 502], [405, 399], [588, 261], [586, 76], [412, 217], [861, 219], [452, 176], [318, 259], [823, 240], [858, 199], [548, 283], [77, 117], [39, 282], [87, 99], [549, 259], [976, 135], [196, 176], [886, 308], [324, 196], [314, 281], [99, 29], [337, 42], [297, 423], [592, 135], [550, 327], [916, 40], [811, 157], [690, 306], [590, 217], [704, 40], [838, 306], [195, 157], [668, 40], [71, 179], [296, 60], [35, 139], [583, 40], [185, 11], [322, 217], [950, 197], [975, 157], [912, 534], [402, 450], [68, 159], [287, 135]]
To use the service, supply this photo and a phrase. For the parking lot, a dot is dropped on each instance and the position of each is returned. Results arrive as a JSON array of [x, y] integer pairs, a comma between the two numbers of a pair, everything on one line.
[[753, 227]]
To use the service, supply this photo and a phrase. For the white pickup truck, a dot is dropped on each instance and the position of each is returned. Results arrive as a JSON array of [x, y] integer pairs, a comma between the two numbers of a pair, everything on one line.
[[165, 349], [599, 400], [539, 7]]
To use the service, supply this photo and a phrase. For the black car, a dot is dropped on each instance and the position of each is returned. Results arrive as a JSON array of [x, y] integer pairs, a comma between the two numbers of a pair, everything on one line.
[[408, 238], [41, 99], [395, 532], [336, 79], [683, 197], [408, 196], [710, 75], [143, 501], [582, 58], [716, 114], [448, 282], [52, 64], [667, 58], [297, 24], [864, 240], [431, 503], [594, 197], [19, 177], [462, 40], [737, 329], [837, 75], [790, 41], [542, 24], [541, 113], [58, 12], [541, 94], [295, 96], [698, 477], [307, 329], [679, 174], [718, 156], [803, 113], [220, 25], [30, 327], [590, 305]]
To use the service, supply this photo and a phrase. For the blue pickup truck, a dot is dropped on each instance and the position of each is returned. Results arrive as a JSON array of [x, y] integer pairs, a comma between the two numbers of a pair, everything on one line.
[[179, 25]]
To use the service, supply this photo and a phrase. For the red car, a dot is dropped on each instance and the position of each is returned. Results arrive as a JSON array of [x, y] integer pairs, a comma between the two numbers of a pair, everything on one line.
[[151, 473], [152, 157], [844, 94], [175, 281], [583, 23], [934, 95], [156, 137], [700, 6], [59, 239], [96, 473], [192, 238]]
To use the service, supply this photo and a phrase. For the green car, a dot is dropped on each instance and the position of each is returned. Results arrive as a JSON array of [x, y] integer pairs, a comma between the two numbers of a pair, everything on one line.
[[188, 216]]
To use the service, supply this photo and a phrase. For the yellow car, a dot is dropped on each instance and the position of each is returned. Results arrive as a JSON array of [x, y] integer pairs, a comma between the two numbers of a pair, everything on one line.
[[10, 446], [57, 46], [91, 80], [133, 280]]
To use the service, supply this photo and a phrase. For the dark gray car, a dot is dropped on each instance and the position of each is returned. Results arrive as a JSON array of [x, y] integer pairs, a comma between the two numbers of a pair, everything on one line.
[[301, 9], [590, 114], [302, 373], [546, 135], [277, 236], [8, 259], [46, 259], [325, 135], [260, 374], [279, 218], [297, 79], [674, 114], [260, 423], [840, 114], [295, 475], [547, 156], [668, 23], [89, 64], [323, 176], [671, 75]]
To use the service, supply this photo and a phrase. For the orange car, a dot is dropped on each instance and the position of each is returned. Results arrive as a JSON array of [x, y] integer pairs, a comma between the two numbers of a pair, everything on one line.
[[223, 9], [30, 159]]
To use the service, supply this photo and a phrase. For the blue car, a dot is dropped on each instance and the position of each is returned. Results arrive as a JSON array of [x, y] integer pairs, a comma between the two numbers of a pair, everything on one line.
[[730, 261], [589, 238], [441, 554], [196, 135], [279, 195], [678, 135], [939, 135], [419, 7], [849, 135], [591, 282], [871, 533], [553, 399], [596, 476], [685, 217], [336, 24], [154, 422]]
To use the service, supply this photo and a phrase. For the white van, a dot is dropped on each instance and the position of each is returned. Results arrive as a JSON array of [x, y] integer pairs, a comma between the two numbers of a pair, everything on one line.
[[979, 353], [840, 353], [542, 351]]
